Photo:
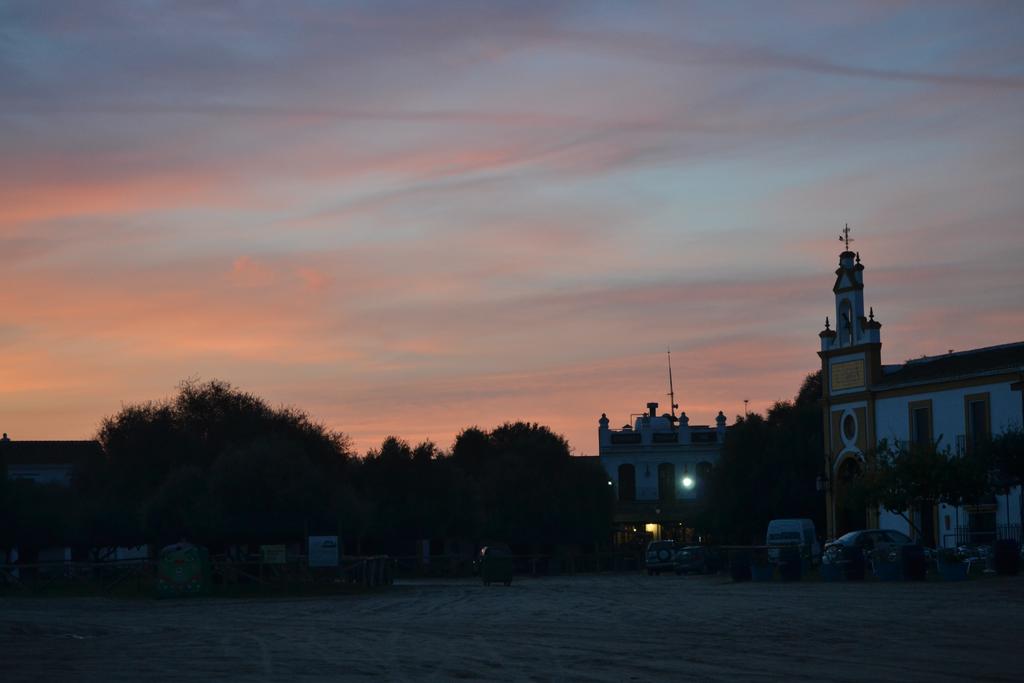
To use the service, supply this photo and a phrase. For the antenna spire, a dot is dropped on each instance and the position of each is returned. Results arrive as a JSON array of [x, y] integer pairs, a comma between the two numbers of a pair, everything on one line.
[[671, 389]]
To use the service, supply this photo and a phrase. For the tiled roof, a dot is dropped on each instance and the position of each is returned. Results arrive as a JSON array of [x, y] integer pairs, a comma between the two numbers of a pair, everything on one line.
[[962, 364], [47, 452]]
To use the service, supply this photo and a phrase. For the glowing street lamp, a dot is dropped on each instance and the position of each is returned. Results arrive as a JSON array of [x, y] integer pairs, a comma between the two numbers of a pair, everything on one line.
[[687, 482]]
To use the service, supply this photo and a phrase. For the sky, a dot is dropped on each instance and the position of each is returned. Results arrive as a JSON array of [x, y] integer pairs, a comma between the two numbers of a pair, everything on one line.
[[410, 218]]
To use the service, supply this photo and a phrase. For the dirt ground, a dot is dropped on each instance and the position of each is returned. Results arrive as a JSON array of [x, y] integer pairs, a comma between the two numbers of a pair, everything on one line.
[[611, 627]]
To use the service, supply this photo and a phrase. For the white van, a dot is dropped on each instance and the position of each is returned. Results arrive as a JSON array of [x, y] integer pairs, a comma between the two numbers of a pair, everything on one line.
[[793, 532]]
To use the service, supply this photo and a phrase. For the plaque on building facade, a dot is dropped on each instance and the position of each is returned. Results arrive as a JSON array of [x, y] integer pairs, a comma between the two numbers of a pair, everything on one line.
[[848, 375]]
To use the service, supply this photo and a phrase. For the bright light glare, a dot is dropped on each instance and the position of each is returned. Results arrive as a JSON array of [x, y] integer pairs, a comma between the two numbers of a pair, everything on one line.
[[687, 483]]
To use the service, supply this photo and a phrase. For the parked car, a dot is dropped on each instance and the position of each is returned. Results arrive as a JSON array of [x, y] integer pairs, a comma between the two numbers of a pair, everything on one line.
[[660, 557], [700, 559], [864, 541], [793, 532]]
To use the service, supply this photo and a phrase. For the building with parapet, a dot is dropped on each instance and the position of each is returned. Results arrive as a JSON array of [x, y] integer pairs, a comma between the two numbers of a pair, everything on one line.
[[51, 463], [45, 462], [658, 466]]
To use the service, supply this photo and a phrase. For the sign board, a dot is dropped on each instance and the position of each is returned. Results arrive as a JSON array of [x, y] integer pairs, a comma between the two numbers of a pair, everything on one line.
[[323, 551], [848, 375], [273, 554]]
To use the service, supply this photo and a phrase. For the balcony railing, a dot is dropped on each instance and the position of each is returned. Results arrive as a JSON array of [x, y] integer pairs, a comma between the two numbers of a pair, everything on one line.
[[968, 536], [657, 510]]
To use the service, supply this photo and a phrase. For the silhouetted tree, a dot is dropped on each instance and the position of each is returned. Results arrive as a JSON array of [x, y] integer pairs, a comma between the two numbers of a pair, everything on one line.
[[811, 391], [212, 463], [767, 469], [966, 479], [1005, 453], [393, 481], [35, 516], [469, 452], [516, 483], [179, 508], [268, 491], [534, 493], [903, 477]]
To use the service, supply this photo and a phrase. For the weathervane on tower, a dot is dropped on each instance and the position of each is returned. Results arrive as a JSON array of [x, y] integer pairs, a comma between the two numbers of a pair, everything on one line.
[[845, 237]]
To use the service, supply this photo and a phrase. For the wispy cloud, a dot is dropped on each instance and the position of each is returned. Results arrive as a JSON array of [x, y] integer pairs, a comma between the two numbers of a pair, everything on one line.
[[410, 218], [686, 52]]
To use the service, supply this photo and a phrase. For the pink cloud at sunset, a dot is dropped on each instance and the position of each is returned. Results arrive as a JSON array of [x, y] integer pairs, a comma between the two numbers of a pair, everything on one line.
[[412, 218]]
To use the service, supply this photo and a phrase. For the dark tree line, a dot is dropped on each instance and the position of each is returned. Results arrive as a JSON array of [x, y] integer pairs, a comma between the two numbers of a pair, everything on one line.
[[516, 483], [33, 515], [220, 467], [767, 469]]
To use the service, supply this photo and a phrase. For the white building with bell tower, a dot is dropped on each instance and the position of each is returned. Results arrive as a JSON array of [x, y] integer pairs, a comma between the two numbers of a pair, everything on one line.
[[956, 399]]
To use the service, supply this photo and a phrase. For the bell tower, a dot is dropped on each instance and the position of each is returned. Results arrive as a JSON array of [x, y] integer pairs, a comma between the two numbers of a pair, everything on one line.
[[851, 363], [852, 327]]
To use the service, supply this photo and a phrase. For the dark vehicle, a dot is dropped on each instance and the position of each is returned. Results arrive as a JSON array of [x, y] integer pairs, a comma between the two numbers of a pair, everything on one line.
[[698, 559], [841, 551], [660, 557], [496, 564]]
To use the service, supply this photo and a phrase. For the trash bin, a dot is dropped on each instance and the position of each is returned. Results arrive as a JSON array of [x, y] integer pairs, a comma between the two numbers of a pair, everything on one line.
[[914, 562], [791, 563], [183, 570], [496, 565], [854, 563], [1006, 557], [762, 572], [831, 572], [951, 569], [762, 568], [739, 565]]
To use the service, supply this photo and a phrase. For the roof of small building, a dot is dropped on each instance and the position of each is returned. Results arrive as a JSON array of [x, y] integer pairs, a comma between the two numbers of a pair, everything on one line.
[[48, 452], [988, 360]]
